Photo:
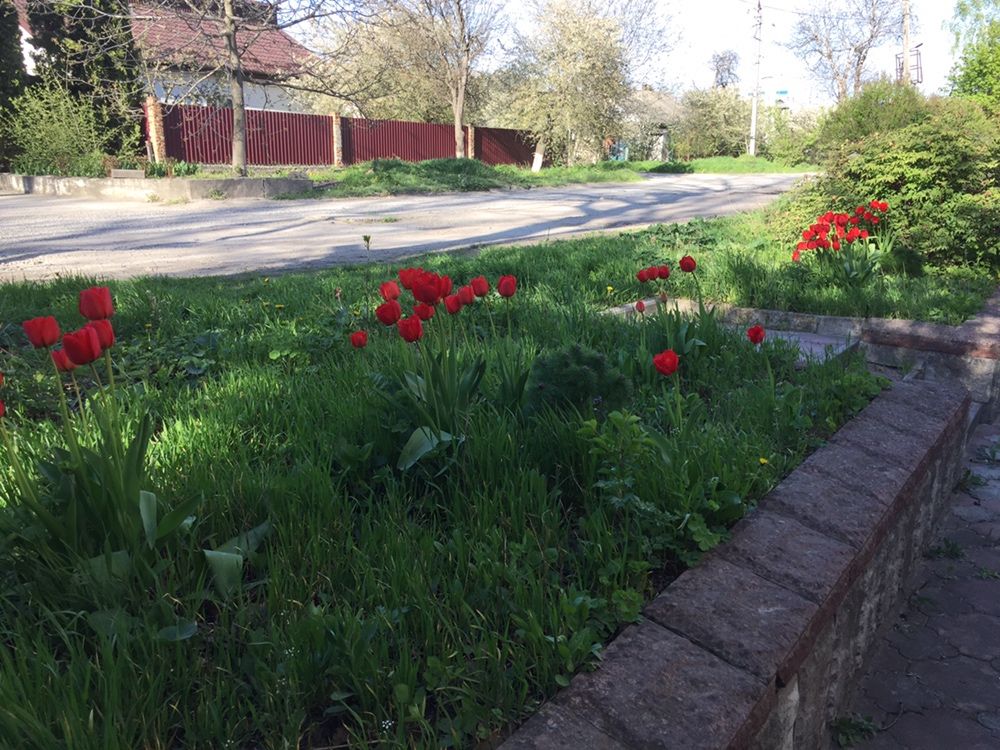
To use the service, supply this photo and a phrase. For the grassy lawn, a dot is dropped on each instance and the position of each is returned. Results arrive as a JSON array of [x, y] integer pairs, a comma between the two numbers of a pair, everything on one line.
[[394, 177], [395, 589]]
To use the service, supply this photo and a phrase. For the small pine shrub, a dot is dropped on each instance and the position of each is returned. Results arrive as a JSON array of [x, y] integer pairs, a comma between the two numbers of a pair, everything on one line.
[[578, 377]]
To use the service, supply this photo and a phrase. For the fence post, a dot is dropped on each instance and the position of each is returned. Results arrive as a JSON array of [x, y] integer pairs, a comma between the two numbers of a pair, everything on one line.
[[470, 142], [154, 126], [338, 141]]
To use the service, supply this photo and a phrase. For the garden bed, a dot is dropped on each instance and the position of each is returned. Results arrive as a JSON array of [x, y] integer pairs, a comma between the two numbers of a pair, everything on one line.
[[410, 586]]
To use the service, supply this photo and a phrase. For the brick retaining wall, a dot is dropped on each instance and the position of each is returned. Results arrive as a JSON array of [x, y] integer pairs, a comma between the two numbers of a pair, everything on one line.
[[763, 642]]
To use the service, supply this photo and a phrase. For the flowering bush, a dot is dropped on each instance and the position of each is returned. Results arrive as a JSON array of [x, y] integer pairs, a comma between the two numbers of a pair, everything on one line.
[[851, 246]]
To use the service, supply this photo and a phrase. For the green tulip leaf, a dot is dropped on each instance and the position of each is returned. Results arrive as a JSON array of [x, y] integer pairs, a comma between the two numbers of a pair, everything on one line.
[[227, 571], [421, 442], [183, 630], [147, 510]]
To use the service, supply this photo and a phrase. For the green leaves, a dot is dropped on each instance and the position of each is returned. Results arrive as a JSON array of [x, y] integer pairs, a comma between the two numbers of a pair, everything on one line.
[[422, 442], [226, 563]]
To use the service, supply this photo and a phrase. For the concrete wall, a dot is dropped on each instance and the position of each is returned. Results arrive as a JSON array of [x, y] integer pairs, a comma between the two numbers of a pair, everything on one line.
[[154, 189]]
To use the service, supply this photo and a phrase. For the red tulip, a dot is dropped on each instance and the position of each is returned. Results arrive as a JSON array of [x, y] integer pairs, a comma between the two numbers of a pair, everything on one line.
[[41, 331], [643, 275], [407, 276], [3, 409], [63, 363], [755, 334], [411, 329], [359, 339], [663, 272], [797, 256], [507, 286], [388, 312], [105, 333], [687, 264], [444, 286], [466, 295], [480, 286], [666, 362], [452, 304], [426, 290], [389, 290], [83, 346], [96, 303], [422, 311], [640, 307]]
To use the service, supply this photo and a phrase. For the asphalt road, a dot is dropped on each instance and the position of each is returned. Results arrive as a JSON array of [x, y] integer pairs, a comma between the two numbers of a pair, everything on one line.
[[42, 237]]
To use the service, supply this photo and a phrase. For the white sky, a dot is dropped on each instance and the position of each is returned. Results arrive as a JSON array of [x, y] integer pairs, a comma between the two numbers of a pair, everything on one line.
[[708, 26]]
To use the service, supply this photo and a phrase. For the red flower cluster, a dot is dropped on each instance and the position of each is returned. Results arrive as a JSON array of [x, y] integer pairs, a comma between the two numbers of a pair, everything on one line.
[[85, 345], [429, 290], [832, 230], [653, 273]]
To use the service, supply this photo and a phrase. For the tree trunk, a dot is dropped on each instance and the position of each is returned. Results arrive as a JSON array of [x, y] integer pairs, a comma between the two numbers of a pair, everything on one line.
[[458, 109], [536, 163], [234, 68]]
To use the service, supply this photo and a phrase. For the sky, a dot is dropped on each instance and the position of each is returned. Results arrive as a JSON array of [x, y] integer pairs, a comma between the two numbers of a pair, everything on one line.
[[708, 26]]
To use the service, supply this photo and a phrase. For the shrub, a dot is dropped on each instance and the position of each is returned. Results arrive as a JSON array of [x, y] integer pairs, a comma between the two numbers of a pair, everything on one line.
[[882, 106], [578, 377], [931, 173], [55, 133]]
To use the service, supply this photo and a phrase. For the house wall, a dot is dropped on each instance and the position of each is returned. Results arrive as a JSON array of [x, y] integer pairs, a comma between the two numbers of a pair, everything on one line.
[[180, 87]]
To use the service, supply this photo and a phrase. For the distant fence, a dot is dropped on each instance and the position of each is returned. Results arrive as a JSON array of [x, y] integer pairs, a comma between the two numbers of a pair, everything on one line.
[[204, 135]]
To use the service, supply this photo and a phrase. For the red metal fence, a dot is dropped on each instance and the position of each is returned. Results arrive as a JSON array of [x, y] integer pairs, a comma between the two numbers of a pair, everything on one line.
[[502, 146], [365, 140], [204, 135]]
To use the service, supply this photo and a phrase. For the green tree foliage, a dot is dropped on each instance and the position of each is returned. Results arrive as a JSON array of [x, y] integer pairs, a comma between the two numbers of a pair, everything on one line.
[[88, 46], [714, 122], [977, 74], [941, 176], [11, 63], [571, 81], [971, 18], [879, 107]]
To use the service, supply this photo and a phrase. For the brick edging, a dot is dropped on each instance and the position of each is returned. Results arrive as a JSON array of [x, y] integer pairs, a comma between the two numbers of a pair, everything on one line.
[[760, 645]]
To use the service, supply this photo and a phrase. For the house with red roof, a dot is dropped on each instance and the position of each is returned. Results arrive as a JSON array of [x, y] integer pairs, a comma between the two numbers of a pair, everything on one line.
[[184, 52]]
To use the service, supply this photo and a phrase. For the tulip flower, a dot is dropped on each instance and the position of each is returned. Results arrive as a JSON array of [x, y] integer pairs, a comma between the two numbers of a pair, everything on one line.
[[41, 332], [687, 264], [82, 346], [105, 333], [507, 286], [96, 303], [62, 362], [411, 329], [359, 339], [480, 286], [755, 334], [466, 295], [666, 362], [389, 290], [389, 312]]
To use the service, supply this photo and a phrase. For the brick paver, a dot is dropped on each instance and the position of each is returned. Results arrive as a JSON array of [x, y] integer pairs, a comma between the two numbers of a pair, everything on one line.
[[934, 681]]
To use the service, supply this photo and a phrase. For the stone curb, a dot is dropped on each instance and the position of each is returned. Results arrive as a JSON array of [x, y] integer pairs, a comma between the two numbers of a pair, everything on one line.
[[763, 643], [167, 188]]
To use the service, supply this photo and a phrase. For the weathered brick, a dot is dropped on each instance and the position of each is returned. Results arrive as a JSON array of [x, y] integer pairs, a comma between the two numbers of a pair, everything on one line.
[[782, 550], [747, 620], [560, 728], [655, 689], [823, 503]]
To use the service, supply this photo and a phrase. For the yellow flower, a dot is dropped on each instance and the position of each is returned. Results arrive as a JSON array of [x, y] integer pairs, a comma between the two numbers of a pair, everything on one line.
[[610, 288], [764, 461], [279, 307]]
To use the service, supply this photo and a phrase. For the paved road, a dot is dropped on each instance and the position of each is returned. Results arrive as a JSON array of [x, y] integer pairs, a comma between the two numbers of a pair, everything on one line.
[[43, 236]]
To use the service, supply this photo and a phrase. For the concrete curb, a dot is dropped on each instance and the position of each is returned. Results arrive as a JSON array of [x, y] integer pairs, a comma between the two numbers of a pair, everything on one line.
[[763, 643], [143, 189]]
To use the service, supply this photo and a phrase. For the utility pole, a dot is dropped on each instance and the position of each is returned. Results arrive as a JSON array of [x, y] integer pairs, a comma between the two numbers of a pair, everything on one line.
[[758, 34], [906, 41]]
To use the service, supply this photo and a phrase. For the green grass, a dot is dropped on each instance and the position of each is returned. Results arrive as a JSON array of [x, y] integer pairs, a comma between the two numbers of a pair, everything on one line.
[[416, 607], [746, 164], [394, 177]]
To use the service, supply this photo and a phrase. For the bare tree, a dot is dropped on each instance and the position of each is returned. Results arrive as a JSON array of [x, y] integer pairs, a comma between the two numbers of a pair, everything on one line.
[[835, 38], [724, 66], [456, 34]]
